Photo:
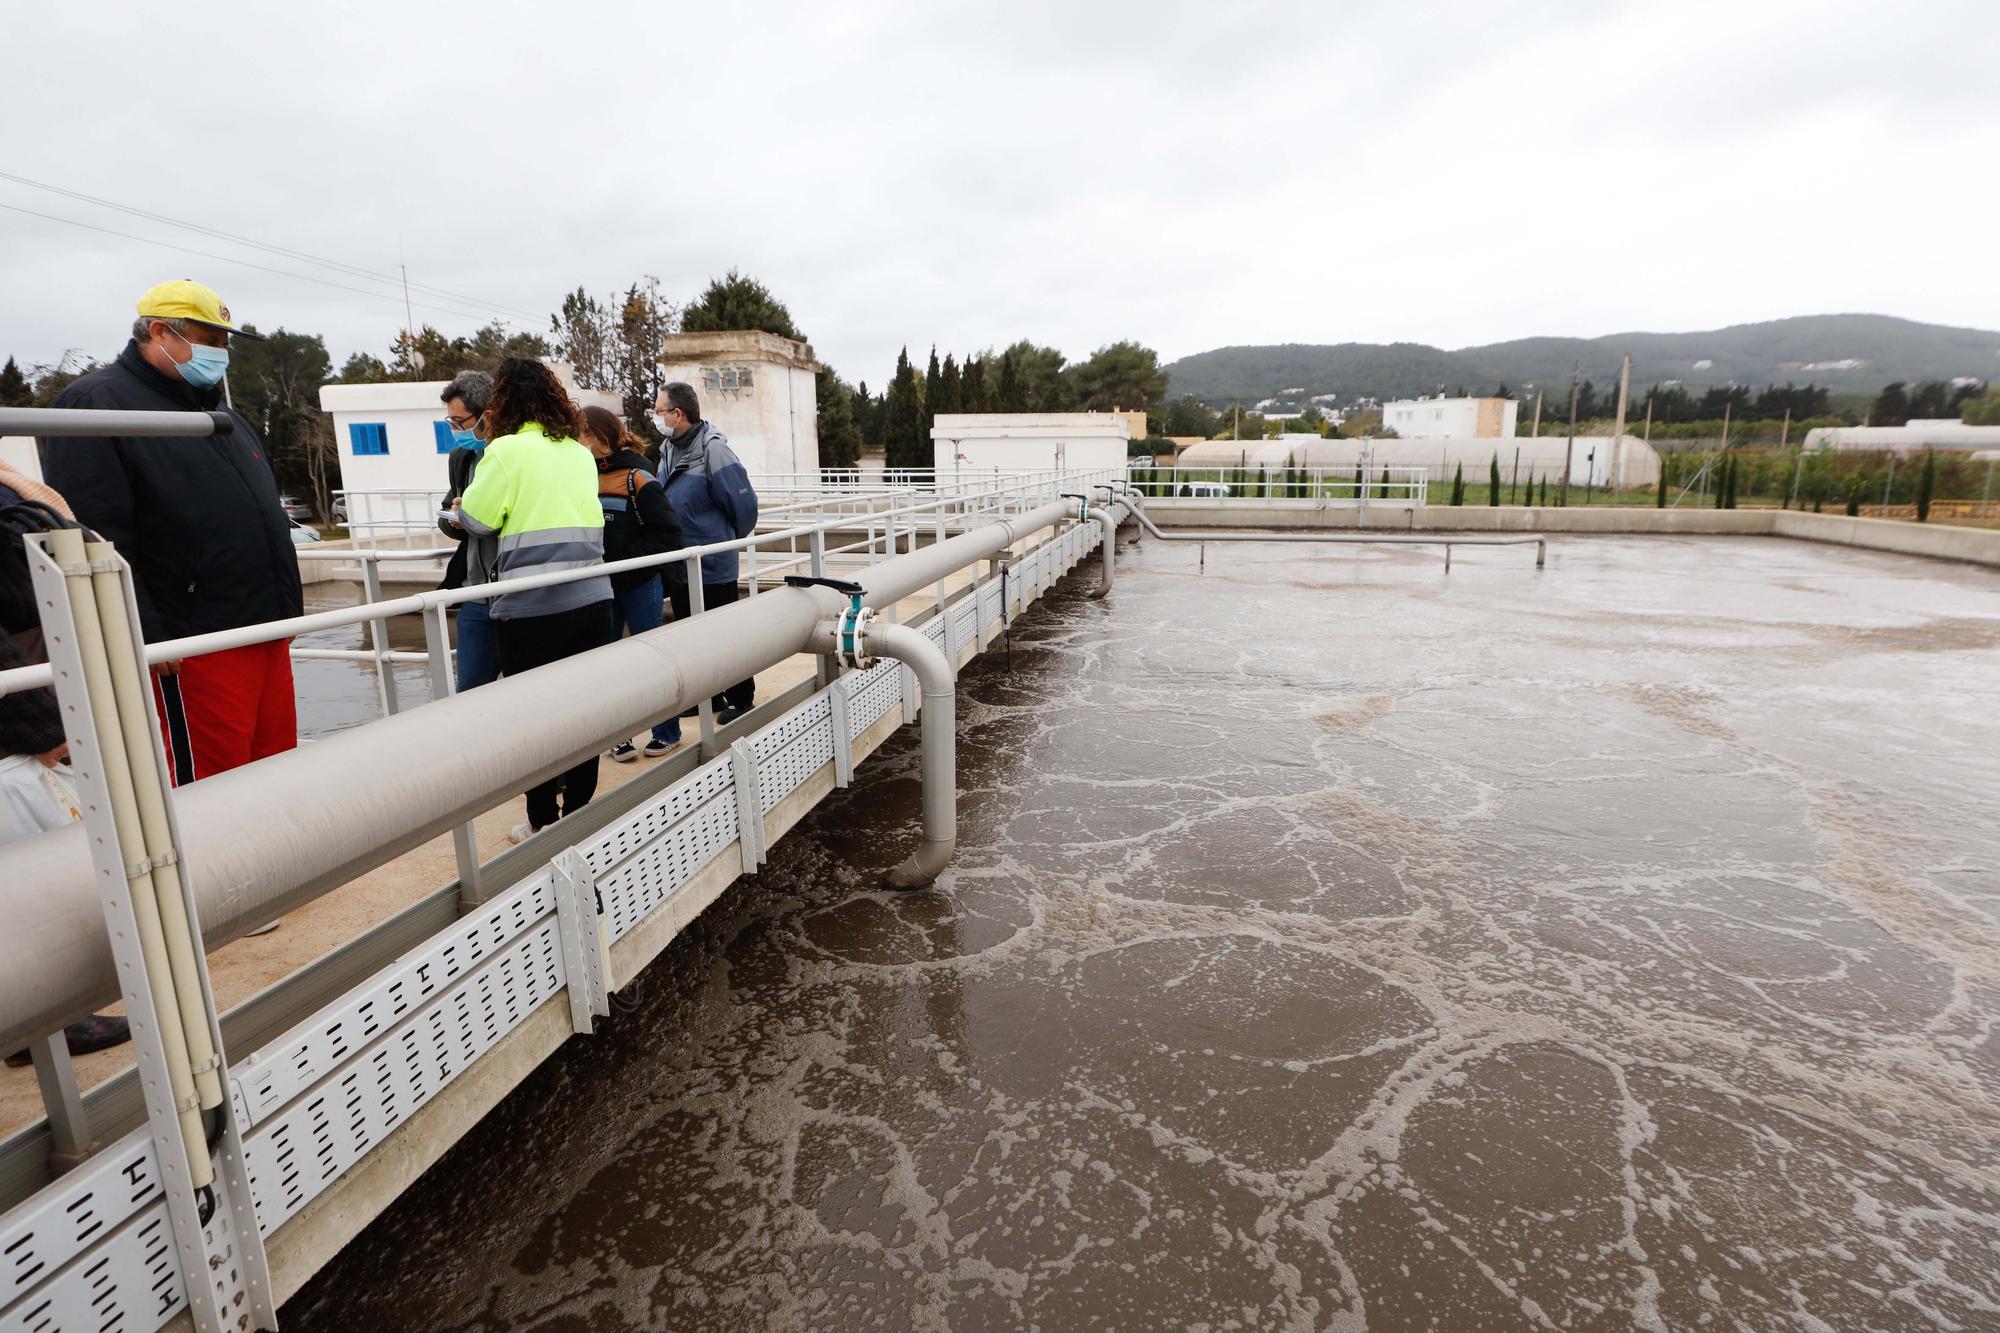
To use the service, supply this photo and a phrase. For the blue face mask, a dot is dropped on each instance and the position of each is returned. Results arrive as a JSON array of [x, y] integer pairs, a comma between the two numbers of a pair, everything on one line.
[[207, 366], [465, 439]]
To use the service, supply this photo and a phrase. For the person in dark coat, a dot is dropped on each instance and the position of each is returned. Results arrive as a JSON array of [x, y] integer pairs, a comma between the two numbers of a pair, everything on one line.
[[637, 521], [715, 502], [199, 522], [465, 400]]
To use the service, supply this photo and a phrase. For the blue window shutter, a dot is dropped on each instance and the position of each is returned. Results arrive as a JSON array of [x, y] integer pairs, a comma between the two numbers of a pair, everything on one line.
[[367, 438], [442, 430]]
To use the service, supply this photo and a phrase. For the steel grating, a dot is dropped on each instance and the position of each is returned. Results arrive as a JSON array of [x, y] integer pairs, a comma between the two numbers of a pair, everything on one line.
[[783, 773], [314, 1049], [671, 806], [645, 880], [59, 1223], [128, 1282], [301, 1150]]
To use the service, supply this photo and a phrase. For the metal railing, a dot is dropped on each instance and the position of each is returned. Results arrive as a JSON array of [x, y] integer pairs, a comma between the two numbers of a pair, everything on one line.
[[1401, 486]]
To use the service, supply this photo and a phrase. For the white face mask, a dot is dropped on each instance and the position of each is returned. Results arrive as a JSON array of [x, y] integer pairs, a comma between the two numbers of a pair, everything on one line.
[[666, 420]]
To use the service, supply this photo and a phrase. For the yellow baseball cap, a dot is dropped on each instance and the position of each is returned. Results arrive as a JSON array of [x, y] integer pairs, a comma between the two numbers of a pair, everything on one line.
[[184, 298]]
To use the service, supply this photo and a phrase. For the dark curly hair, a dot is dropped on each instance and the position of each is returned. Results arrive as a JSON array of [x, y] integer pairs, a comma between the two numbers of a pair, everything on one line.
[[525, 390]]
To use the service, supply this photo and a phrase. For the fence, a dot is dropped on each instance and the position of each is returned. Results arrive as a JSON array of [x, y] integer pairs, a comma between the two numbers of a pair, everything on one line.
[[1409, 486]]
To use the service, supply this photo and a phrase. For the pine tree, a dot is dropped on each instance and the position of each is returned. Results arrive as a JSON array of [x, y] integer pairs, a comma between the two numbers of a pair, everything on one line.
[[1493, 481], [15, 391], [1458, 485], [1926, 483], [903, 419]]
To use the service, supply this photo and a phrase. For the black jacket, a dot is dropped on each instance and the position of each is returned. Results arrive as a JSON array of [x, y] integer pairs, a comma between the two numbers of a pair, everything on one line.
[[637, 518], [198, 519], [459, 466]]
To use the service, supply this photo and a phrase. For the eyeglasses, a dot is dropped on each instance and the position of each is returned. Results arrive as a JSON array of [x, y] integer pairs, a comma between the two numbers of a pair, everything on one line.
[[461, 423]]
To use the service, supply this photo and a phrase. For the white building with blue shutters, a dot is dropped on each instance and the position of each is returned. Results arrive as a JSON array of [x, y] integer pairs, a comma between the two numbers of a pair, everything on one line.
[[393, 439]]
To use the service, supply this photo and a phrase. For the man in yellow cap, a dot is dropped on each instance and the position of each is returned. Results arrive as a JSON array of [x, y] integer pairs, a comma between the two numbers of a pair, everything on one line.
[[200, 523]]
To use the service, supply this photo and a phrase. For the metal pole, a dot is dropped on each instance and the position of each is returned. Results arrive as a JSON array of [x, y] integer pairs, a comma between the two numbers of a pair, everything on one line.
[[378, 633], [444, 684], [69, 1126], [705, 709], [1569, 450], [1617, 477]]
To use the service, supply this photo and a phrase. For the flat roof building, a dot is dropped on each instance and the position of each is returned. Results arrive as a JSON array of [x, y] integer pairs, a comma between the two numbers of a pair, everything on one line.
[[1444, 418]]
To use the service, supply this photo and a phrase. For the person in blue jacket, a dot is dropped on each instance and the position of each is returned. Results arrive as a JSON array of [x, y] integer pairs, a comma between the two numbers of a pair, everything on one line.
[[714, 502]]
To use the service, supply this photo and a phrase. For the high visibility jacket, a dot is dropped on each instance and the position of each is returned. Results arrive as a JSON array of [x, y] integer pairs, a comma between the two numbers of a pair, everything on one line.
[[538, 496]]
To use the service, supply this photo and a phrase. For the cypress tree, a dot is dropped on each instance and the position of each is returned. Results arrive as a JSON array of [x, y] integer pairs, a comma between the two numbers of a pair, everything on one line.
[[932, 378], [903, 419], [1458, 485], [1007, 394], [948, 393], [1493, 481], [1660, 494], [972, 387], [1926, 483], [1543, 499], [1360, 485]]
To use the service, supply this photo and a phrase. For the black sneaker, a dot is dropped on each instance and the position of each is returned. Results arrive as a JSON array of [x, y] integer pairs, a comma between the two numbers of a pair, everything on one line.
[[96, 1033], [728, 715], [624, 752], [656, 749]]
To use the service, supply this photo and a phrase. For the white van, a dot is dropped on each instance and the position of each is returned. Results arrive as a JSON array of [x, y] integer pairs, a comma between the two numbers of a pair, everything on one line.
[[1203, 490]]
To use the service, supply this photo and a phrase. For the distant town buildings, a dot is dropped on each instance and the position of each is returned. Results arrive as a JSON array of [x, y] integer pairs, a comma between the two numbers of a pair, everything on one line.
[[1450, 418]]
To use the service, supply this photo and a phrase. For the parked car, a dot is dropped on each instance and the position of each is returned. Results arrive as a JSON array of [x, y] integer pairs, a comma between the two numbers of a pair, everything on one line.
[[340, 509], [1204, 490], [303, 535], [295, 508]]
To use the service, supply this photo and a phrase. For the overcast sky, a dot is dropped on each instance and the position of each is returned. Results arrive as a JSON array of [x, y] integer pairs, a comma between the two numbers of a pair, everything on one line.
[[1188, 175]]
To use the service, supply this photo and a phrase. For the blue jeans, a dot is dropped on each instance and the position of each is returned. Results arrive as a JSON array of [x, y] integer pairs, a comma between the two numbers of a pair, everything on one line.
[[478, 649], [637, 610]]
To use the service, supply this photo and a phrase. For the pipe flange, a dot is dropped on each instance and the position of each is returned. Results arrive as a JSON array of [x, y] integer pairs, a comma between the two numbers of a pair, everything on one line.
[[850, 636]]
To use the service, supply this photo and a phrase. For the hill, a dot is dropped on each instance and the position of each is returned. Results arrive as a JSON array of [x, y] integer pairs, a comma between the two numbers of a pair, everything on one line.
[[1849, 353]]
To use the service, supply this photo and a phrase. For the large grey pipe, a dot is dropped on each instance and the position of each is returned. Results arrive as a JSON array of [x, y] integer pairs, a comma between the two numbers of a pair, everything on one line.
[[938, 719], [1107, 519], [263, 840]]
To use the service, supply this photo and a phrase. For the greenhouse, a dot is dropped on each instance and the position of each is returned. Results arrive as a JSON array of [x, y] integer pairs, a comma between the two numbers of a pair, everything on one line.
[[1593, 460]]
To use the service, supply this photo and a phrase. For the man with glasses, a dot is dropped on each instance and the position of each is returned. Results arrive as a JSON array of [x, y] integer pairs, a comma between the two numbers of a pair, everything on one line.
[[474, 562], [199, 522], [713, 501]]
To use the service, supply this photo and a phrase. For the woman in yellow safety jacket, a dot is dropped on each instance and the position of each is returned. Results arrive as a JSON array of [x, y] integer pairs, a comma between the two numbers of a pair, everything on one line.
[[536, 494]]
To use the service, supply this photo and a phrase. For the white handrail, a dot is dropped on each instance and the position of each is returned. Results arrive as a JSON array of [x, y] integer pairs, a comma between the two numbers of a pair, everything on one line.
[[174, 650]]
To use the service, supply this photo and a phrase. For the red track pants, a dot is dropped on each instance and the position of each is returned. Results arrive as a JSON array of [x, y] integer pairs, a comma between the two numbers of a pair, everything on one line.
[[225, 709]]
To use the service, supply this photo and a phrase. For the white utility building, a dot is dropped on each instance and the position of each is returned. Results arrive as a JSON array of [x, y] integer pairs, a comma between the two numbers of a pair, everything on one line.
[[393, 439], [990, 442], [759, 389], [1444, 418]]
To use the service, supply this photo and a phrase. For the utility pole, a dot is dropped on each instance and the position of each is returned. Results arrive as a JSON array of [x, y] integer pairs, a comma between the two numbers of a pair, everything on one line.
[[1799, 467], [1569, 450], [1617, 477], [1538, 414], [1517, 474]]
